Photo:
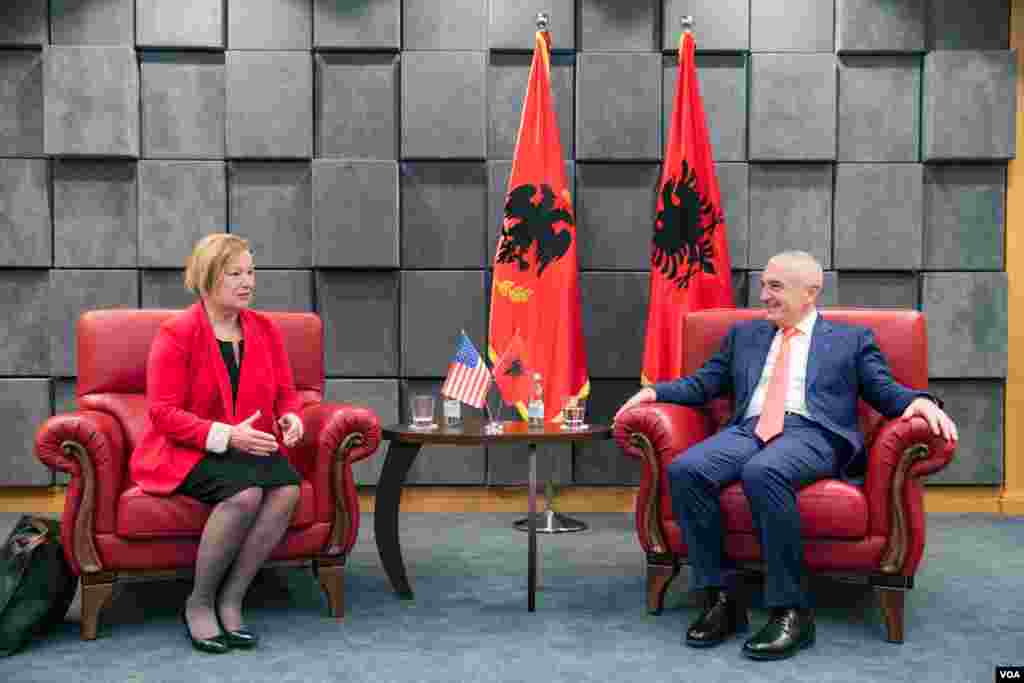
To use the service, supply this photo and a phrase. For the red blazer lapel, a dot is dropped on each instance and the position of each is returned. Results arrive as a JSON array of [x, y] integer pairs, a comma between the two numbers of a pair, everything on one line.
[[210, 352]]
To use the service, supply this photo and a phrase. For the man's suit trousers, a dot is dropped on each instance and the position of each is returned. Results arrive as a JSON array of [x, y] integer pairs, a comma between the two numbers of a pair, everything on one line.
[[771, 475]]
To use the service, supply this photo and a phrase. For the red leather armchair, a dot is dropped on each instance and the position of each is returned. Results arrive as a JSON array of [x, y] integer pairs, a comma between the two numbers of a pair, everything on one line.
[[875, 531], [112, 530]]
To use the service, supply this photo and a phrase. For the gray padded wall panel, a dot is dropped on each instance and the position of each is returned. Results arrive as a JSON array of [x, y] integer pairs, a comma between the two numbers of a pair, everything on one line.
[[618, 106], [878, 216], [614, 213], [442, 464], [792, 107], [444, 105], [614, 313], [513, 24], [25, 236], [880, 25], [271, 203], [435, 306], [958, 25], [24, 23], [444, 209], [179, 202], [967, 324], [507, 78], [270, 24], [21, 102], [91, 98], [184, 97], [734, 190], [790, 208], [965, 217], [92, 22], [360, 315], [508, 465], [968, 106], [72, 292], [791, 25], [95, 214], [720, 24], [977, 408], [179, 23], [25, 404], [612, 25], [723, 90], [269, 104], [878, 290], [355, 214], [426, 25], [603, 462], [24, 322], [368, 24], [284, 290], [357, 98], [879, 108], [380, 396], [166, 289]]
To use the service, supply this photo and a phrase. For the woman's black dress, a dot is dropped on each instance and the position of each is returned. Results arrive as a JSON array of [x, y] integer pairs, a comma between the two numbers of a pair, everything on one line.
[[219, 476]]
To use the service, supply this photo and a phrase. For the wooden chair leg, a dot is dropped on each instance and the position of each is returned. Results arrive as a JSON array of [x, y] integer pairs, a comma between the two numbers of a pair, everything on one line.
[[332, 580], [891, 603], [659, 576], [96, 592]]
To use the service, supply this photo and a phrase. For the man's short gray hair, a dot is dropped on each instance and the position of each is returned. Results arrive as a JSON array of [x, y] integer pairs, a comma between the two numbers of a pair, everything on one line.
[[805, 262]]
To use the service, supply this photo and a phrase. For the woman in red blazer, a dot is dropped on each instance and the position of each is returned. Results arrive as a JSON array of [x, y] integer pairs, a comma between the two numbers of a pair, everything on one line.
[[221, 404]]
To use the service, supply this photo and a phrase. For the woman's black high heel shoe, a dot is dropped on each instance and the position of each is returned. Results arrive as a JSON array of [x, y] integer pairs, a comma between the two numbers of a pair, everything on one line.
[[217, 645], [242, 637]]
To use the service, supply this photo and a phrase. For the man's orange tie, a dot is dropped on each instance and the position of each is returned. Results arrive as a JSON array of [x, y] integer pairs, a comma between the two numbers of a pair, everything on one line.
[[769, 425]]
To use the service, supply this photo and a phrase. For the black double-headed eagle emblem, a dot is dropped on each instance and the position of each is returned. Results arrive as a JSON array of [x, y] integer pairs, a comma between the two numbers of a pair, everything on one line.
[[527, 222], [683, 242]]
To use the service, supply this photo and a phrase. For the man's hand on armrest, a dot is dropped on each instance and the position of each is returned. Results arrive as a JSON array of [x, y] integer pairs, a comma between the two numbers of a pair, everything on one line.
[[938, 420], [645, 395]]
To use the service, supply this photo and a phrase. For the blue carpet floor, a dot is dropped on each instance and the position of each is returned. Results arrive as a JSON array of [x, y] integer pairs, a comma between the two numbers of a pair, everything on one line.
[[469, 620]]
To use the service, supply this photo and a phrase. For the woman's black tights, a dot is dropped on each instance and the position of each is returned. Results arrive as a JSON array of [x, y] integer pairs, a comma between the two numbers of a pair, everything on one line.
[[241, 531]]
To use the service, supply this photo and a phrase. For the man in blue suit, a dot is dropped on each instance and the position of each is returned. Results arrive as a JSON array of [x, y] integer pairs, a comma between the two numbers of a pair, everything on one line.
[[796, 378]]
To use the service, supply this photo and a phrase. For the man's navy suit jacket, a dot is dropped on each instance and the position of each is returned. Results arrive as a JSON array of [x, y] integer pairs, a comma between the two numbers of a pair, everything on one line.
[[843, 363]]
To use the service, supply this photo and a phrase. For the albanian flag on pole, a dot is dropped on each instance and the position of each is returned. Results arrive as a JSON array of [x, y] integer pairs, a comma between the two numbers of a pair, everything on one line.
[[535, 289], [690, 267]]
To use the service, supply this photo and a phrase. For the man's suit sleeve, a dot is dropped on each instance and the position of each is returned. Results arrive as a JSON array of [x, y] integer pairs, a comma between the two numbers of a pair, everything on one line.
[[713, 379], [877, 385]]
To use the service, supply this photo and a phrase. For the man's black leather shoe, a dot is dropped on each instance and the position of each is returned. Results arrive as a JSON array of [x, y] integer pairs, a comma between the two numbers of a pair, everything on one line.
[[787, 632], [722, 617]]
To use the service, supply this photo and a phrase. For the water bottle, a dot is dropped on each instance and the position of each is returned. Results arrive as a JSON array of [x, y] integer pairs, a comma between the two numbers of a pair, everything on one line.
[[535, 409]]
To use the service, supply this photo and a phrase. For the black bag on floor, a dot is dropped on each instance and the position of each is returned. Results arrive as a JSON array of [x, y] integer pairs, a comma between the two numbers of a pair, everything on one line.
[[36, 583]]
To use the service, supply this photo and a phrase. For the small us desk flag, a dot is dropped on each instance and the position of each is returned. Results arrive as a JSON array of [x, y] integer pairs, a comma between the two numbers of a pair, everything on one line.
[[468, 377]]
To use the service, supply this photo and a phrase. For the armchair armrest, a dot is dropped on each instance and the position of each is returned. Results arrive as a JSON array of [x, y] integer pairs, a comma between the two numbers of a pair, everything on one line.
[[338, 435], [89, 446], [904, 451], [656, 433]]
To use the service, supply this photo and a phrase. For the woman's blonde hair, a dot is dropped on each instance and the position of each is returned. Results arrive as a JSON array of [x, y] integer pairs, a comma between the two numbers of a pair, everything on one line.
[[209, 258]]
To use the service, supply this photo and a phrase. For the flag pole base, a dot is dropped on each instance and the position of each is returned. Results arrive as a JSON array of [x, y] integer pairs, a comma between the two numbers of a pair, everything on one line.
[[551, 522]]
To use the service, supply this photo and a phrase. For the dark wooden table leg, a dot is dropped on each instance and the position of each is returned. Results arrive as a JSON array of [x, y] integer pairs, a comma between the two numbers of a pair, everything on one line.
[[532, 562], [385, 517]]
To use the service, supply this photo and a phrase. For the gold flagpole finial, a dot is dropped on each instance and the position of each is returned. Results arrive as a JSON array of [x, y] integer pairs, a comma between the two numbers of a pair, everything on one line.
[[687, 23], [543, 19]]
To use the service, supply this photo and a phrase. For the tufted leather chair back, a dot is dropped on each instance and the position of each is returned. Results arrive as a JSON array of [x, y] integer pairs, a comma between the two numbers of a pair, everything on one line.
[[900, 334], [113, 346]]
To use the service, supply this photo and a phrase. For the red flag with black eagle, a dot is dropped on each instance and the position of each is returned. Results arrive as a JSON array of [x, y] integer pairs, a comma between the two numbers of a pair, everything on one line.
[[690, 267], [535, 288]]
